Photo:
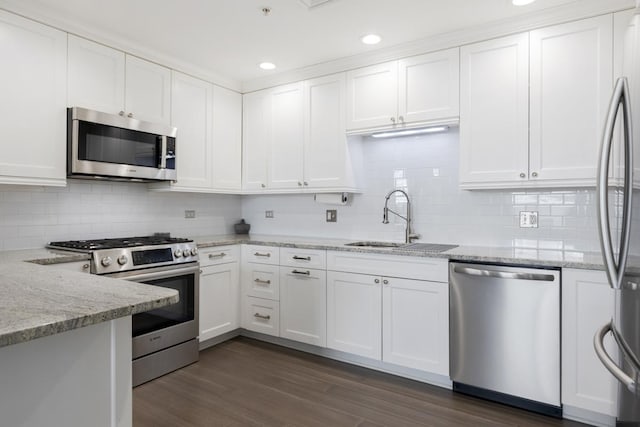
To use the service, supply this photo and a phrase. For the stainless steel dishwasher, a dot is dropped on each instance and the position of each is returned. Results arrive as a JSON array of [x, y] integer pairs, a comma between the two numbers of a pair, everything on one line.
[[505, 334]]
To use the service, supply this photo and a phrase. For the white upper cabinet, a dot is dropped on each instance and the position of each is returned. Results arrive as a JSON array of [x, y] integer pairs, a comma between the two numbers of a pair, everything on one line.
[[256, 138], [571, 83], [33, 113], [494, 110], [294, 138], [535, 119], [227, 139], [95, 76], [330, 161], [285, 166], [407, 92], [147, 90], [191, 113], [105, 79]]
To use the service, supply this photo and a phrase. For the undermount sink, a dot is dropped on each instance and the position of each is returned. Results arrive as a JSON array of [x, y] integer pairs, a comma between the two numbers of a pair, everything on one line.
[[418, 247], [372, 244]]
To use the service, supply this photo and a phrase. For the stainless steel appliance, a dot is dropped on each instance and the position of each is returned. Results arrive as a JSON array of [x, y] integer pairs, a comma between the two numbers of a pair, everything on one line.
[[164, 339], [110, 146], [505, 334], [620, 238]]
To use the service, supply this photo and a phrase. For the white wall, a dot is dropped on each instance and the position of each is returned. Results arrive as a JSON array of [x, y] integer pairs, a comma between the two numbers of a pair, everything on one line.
[[427, 167], [30, 217]]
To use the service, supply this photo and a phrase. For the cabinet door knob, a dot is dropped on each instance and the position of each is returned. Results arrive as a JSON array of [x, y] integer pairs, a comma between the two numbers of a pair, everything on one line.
[[393, 119], [385, 282], [534, 174], [306, 183], [121, 113], [522, 175], [262, 185], [130, 115], [299, 184], [401, 119], [376, 281]]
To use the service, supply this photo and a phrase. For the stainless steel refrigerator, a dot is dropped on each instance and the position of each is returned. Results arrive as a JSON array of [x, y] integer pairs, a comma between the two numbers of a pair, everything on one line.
[[619, 225]]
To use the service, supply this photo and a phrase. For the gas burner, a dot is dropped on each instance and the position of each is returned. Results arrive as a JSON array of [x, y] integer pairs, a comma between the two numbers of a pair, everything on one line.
[[123, 242]]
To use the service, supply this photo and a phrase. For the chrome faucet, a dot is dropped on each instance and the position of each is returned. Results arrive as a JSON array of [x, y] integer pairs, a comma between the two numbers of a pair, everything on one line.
[[408, 236]]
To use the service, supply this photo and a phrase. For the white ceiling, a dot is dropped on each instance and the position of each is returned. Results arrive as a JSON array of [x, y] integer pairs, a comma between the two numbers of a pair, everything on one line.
[[230, 38]]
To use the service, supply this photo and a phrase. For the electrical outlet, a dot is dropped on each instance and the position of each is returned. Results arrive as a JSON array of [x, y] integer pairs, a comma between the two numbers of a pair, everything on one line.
[[189, 214], [332, 215], [268, 214], [528, 219]]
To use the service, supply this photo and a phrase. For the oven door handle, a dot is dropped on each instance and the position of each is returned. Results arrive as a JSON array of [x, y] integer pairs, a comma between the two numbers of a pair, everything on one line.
[[162, 274]]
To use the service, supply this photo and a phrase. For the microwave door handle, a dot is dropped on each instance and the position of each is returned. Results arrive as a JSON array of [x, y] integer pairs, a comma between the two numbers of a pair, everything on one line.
[[163, 152], [604, 226]]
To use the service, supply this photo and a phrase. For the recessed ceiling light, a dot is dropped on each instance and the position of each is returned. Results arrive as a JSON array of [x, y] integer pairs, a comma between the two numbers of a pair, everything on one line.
[[371, 39], [267, 65], [522, 2]]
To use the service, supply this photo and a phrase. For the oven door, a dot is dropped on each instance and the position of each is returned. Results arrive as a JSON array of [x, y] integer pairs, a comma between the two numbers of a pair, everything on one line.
[[171, 325]]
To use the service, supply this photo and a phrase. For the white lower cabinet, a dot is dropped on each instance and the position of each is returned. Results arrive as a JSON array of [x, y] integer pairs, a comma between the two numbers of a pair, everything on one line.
[[354, 315], [587, 304], [415, 324], [219, 292], [303, 305], [260, 287]]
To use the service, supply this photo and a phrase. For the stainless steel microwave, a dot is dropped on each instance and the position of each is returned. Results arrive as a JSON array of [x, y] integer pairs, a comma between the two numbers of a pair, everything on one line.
[[111, 146]]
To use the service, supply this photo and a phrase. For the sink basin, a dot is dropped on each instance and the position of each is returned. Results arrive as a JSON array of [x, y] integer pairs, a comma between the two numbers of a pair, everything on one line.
[[373, 244]]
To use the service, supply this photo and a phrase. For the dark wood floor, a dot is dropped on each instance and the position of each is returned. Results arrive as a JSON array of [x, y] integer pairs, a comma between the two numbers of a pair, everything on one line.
[[245, 382]]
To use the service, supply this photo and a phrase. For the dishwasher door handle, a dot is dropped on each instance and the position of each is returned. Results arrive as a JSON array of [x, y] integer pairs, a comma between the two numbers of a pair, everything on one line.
[[469, 271]]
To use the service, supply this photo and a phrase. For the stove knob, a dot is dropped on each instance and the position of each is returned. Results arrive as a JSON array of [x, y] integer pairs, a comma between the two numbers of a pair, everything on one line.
[[177, 253], [122, 259], [194, 251], [106, 262]]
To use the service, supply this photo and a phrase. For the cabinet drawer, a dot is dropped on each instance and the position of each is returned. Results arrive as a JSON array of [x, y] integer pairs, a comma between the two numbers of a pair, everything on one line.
[[218, 255], [261, 254], [309, 258], [421, 268], [262, 315], [261, 281]]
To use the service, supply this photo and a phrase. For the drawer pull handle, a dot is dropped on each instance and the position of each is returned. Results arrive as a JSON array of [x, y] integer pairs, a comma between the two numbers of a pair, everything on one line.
[[302, 258], [262, 316], [306, 273], [220, 255], [268, 255], [266, 282]]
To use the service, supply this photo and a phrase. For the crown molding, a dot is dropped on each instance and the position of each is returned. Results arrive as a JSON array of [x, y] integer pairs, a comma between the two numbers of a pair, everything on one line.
[[110, 40], [564, 13]]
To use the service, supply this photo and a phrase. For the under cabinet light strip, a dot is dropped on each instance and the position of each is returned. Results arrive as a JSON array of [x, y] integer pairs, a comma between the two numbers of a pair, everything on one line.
[[407, 132]]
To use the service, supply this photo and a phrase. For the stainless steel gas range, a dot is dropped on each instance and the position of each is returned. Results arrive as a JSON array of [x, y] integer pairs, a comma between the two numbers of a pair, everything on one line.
[[164, 339]]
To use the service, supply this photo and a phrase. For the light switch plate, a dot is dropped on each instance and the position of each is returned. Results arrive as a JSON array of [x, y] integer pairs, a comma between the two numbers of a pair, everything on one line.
[[332, 215], [189, 214], [529, 219], [268, 214]]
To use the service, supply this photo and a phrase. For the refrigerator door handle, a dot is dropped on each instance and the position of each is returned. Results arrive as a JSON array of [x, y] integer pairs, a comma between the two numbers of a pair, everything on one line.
[[608, 363], [620, 98]]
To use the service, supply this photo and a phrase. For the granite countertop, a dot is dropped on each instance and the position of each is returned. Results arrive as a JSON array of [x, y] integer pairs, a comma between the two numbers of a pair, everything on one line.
[[37, 301], [505, 255]]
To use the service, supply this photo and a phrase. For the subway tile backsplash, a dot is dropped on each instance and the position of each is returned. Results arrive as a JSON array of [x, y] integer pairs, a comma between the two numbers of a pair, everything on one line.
[[34, 216], [427, 168], [424, 166]]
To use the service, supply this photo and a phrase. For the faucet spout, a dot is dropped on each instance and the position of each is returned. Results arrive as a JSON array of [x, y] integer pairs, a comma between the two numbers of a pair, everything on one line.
[[385, 214]]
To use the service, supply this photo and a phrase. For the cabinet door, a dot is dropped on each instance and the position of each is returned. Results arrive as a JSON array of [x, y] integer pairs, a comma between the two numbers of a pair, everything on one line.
[[255, 139], [372, 96], [428, 86], [95, 76], [227, 139], [325, 147], [287, 137], [191, 113], [219, 300], [303, 305], [147, 91], [33, 110], [571, 81], [494, 115], [587, 304], [415, 324], [354, 314]]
